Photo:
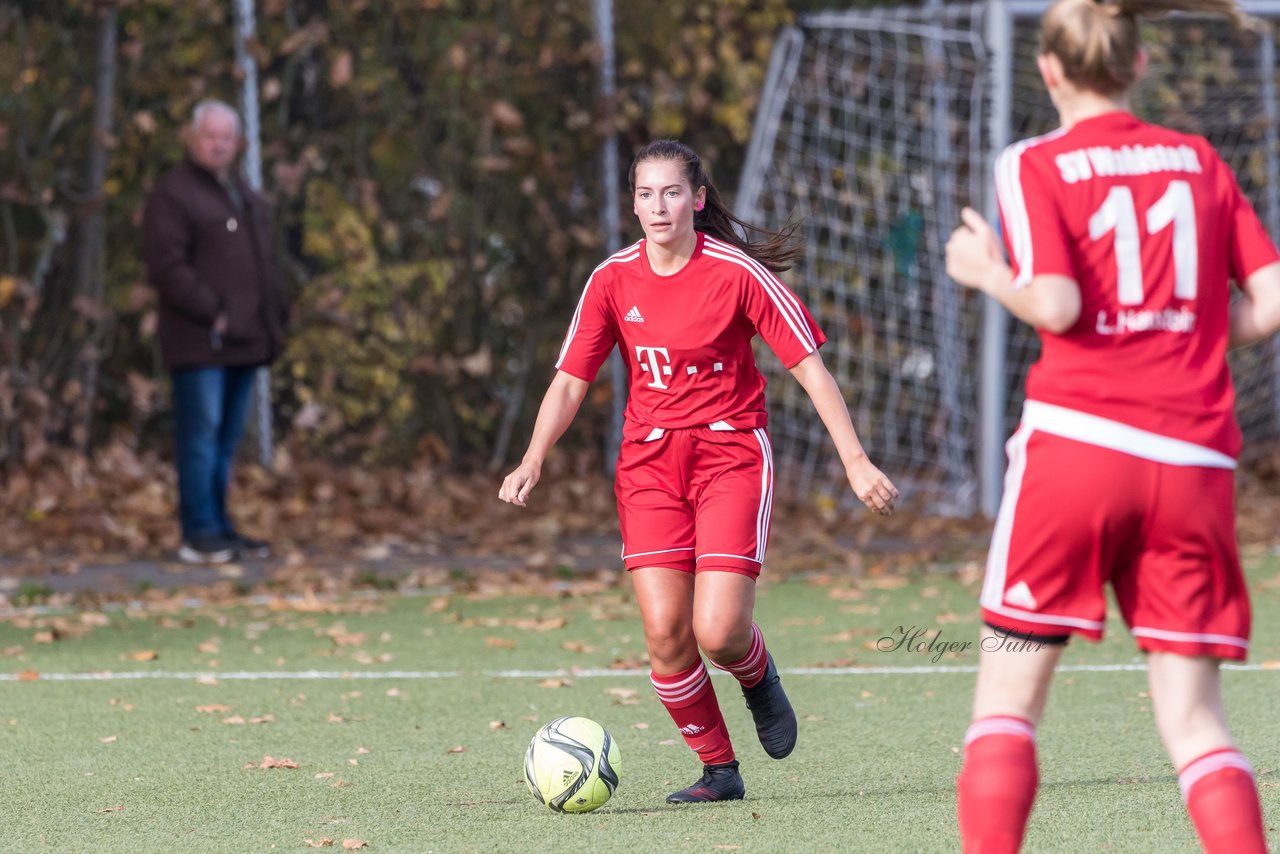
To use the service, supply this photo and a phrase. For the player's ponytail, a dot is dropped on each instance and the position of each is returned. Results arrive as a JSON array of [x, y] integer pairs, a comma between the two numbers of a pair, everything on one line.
[[1097, 40], [776, 250]]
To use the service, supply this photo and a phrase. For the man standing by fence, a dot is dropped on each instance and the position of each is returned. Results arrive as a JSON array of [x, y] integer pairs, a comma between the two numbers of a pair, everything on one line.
[[208, 247]]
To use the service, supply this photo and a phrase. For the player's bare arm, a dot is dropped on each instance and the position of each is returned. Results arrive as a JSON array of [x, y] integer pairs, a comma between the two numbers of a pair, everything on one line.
[[1257, 315], [559, 406], [870, 484], [974, 259]]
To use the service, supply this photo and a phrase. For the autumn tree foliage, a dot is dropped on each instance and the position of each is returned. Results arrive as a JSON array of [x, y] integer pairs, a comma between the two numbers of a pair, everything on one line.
[[435, 169]]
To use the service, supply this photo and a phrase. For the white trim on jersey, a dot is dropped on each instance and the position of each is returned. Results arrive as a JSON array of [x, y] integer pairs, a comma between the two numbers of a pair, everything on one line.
[[787, 303], [631, 253], [1188, 637], [1117, 436], [1013, 203]]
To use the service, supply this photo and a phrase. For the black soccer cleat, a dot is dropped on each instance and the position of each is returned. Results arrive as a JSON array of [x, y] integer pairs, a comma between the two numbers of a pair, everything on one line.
[[774, 717], [718, 783]]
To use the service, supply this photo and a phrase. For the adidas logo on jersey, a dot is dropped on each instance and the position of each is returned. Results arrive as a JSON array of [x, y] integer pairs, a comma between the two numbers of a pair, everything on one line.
[[633, 316], [1020, 594], [692, 729]]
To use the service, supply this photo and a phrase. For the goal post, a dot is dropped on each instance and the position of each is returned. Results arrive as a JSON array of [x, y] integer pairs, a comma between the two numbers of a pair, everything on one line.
[[875, 127]]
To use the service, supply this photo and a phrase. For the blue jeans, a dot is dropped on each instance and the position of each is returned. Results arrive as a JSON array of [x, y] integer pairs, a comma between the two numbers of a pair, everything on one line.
[[209, 410]]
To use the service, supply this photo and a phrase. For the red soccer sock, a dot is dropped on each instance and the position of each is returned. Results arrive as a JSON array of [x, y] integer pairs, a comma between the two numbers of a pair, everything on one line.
[[691, 701], [749, 669], [1222, 798], [997, 785]]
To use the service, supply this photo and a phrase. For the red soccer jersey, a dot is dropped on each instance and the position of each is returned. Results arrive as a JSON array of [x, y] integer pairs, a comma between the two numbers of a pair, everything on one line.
[[686, 338], [1152, 226]]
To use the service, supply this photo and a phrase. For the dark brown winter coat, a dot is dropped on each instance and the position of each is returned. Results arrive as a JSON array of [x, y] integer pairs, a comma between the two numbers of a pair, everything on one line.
[[206, 257]]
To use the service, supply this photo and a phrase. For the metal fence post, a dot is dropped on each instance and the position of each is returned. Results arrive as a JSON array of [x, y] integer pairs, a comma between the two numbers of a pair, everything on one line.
[[260, 412], [995, 320], [609, 224], [1271, 134]]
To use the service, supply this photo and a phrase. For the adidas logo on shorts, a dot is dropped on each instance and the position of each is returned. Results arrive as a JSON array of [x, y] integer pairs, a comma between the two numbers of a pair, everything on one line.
[[634, 316], [1020, 595]]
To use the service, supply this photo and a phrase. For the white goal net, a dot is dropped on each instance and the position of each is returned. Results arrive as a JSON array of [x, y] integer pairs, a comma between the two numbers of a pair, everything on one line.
[[875, 129]]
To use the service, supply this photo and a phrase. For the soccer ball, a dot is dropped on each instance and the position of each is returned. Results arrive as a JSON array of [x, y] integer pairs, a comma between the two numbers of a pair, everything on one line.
[[572, 765]]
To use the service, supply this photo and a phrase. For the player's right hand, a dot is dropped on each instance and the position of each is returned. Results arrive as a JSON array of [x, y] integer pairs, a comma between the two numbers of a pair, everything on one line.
[[517, 485]]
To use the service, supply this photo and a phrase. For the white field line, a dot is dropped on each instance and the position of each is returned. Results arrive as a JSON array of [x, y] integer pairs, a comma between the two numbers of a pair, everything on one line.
[[321, 675]]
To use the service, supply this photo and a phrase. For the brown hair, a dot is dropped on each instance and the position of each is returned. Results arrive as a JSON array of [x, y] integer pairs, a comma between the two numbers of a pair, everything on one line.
[[1097, 40], [776, 250]]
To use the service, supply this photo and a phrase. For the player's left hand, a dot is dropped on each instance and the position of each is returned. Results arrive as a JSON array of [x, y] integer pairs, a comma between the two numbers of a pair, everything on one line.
[[872, 487], [973, 251]]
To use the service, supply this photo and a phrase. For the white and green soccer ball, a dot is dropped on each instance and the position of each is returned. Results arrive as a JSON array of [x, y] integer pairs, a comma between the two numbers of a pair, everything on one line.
[[572, 765]]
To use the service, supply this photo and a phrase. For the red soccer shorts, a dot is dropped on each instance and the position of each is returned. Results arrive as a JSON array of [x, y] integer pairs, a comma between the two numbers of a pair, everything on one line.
[[1077, 515], [696, 499]]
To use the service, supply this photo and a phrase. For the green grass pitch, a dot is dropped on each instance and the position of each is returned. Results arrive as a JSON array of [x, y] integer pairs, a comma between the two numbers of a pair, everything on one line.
[[408, 718]]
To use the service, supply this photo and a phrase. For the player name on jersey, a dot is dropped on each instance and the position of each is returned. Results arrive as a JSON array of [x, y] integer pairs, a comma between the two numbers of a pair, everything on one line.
[[1125, 321], [1105, 162]]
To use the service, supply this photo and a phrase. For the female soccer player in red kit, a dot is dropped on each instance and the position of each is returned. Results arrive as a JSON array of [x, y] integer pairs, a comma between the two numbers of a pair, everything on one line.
[[695, 471], [1123, 238]]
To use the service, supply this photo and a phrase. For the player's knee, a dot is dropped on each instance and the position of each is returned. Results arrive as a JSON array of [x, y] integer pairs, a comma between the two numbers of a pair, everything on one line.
[[670, 642], [723, 643]]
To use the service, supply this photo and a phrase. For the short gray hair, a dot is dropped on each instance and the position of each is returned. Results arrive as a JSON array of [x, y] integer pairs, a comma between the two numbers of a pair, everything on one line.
[[213, 105]]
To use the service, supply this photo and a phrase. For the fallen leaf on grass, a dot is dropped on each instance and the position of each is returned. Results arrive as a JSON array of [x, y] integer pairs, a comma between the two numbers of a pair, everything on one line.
[[323, 775], [111, 739], [143, 655], [28, 675], [755, 816], [814, 718], [319, 843], [213, 708], [578, 646], [270, 762], [342, 638], [116, 808], [497, 724], [210, 647], [667, 742], [458, 749], [624, 696], [361, 750], [640, 725], [555, 683], [353, 844], [499, 643], [848, 635]]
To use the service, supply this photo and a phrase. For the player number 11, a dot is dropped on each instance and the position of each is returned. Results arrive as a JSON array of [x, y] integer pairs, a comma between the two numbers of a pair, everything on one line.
[[1118, 213]]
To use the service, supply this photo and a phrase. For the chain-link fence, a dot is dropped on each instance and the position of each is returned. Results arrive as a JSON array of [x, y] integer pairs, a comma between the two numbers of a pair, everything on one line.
[[876, 127]]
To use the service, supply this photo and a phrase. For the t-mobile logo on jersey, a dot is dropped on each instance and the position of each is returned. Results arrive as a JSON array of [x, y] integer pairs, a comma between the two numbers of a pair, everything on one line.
[[656, 367]]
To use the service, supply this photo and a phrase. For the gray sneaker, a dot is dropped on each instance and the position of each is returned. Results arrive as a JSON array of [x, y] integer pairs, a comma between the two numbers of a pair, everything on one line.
[[250, 547], [207, 549]]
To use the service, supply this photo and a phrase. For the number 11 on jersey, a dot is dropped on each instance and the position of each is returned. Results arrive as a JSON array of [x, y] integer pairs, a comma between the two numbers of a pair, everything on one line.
[[1176, 207]]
